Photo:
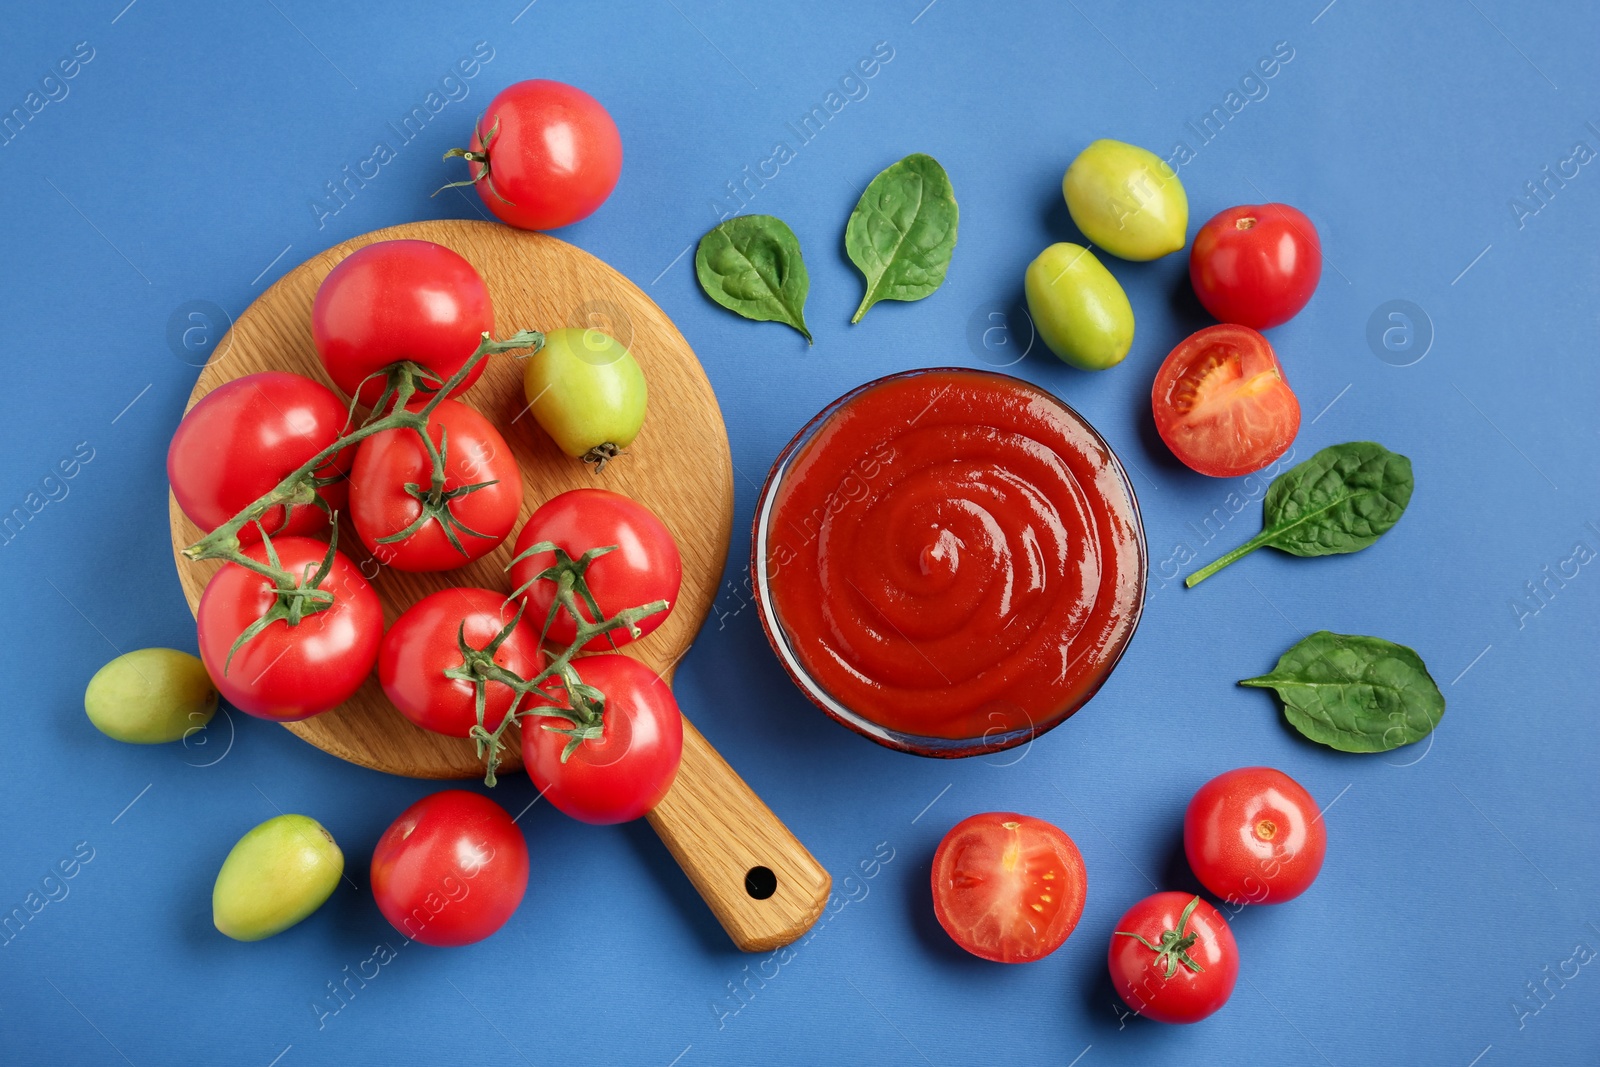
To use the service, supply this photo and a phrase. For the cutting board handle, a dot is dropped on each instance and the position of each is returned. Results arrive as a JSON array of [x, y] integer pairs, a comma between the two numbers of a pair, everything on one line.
[[759, 880]]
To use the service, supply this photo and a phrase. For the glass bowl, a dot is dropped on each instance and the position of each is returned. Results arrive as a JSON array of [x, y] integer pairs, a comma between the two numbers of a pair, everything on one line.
[[1000, 737]]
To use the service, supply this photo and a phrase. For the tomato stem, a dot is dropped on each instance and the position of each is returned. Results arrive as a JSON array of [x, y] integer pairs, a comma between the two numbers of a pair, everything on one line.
[[435, 501], [480, 159], [296, 597], [1175, 944], [585, 705], [601, 454]]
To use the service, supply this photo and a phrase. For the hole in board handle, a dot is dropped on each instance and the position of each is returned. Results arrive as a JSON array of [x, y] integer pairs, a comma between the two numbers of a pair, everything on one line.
[[760, 882]]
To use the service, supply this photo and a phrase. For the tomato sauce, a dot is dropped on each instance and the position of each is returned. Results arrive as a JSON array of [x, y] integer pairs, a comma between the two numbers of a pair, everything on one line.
[[954, 554]]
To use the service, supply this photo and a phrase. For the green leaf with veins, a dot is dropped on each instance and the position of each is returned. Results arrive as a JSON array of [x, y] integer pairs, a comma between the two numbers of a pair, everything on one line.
[[751, 265], [903, 231], [1355, 694], [1340, 500]]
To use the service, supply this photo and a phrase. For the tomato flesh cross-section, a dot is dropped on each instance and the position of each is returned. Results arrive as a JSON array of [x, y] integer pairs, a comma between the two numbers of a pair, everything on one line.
[[1222, 403], [1008, 887]]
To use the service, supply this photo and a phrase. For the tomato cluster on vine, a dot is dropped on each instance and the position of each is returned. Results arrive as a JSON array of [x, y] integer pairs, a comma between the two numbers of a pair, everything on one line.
[[289, 627]]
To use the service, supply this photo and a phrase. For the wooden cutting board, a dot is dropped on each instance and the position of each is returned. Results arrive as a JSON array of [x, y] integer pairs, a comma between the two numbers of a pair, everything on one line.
[[679, 467]]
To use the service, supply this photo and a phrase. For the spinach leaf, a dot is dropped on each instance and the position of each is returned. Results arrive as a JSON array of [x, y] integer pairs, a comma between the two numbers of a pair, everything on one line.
[[1355, 694], [1340, 500], [751, 265], [902, 232]]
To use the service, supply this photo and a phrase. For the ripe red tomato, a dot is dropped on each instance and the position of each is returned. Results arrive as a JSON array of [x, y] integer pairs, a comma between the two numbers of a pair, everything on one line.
[[1173, 958], [1254, 836], [451, 869], [626, 771], [246, 436], [380, 504], [399, 300], [1222, 403], [1008, 887], [544, 154], [1256, 265], [288, 672], [421, 646], [645, 567]]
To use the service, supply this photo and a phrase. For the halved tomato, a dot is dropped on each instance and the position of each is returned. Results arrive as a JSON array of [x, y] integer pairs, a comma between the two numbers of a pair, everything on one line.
[[1008, 887], [1222, 403]]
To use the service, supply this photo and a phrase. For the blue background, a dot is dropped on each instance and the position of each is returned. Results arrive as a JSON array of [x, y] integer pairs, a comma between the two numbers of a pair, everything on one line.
[[182, 167]]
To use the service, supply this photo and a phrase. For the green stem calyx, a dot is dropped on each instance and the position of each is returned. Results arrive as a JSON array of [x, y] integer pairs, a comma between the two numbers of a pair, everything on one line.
[[297, 596], [1175, 944], [477, 162], [601, 454], [436, 500]]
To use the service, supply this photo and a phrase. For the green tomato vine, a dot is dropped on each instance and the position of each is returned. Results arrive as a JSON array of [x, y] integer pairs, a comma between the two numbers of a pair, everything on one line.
[[584, 710]]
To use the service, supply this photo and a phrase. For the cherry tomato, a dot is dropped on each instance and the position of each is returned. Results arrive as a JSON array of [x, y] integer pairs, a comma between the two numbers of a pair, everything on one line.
[[288, 672], [422, 645], [1008, 887], [1173, 958], [399, 300], [246, 436], [1222, 403], [1254, 836], [587, 392], [626, 771], [1256, 265], [381, 505], [645, 566], [451, 869], [544, 154]]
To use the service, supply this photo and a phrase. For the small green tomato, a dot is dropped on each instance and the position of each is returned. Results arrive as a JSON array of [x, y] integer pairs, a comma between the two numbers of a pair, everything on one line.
[[1078, 307], [150, 696], [587, 391], [1127, 200], [276, 875]]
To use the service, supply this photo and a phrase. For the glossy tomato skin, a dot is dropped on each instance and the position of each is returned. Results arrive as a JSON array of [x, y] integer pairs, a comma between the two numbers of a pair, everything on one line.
[[246, 436], [285, 673], [451, 869], [1223, 404], [474, 452], [1254, 836], [1141, 978], [554, 157], [645, 567], [625, 772], [421, 646], [399, 300], [1008, 887], [1256, 265]]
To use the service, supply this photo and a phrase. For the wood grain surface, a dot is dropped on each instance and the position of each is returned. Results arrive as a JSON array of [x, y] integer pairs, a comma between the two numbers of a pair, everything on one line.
[[679, 467]]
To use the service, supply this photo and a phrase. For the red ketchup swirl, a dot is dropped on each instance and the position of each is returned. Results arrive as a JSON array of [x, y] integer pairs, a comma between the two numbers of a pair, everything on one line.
[[955, 554]]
